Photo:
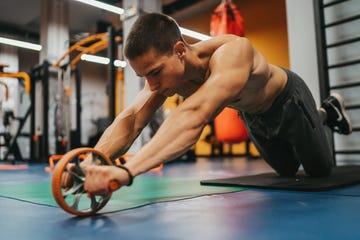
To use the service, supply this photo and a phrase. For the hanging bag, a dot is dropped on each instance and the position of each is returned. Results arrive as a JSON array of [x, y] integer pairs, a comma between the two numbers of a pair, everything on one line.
[[227, 19]]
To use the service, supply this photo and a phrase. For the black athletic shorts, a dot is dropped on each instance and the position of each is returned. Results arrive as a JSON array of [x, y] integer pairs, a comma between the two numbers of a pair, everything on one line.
[[291, 132]]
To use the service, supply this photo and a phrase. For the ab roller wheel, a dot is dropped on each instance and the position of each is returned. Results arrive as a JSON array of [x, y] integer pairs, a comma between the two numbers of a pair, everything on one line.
[[73, 198]]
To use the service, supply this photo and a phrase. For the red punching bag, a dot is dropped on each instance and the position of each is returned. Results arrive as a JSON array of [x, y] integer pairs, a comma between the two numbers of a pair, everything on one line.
[[227, 19]]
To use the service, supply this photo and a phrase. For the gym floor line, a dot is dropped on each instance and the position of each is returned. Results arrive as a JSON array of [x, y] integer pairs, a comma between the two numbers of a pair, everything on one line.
[[247, 214]]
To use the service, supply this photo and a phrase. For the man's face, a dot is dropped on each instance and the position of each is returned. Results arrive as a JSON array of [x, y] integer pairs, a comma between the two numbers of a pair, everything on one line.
[[162, 72]]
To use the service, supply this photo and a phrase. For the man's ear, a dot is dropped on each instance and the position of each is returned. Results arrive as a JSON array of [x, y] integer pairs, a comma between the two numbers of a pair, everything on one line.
[[179, 48]]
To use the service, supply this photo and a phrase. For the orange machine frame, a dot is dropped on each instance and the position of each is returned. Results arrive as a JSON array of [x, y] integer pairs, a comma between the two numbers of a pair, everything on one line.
[[22, 75], [98, 43], [6, 90]]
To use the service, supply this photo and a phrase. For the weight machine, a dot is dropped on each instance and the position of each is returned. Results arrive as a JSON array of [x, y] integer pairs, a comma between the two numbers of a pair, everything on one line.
[[66, 67], [88, 45], [9, 140]]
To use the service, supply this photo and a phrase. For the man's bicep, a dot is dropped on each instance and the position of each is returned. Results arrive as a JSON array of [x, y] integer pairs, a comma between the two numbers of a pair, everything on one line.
[[230, 71], [215, 94]]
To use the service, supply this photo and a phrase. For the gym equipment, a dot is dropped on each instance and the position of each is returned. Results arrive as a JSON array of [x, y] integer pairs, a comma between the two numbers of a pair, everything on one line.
[[339, 72], [6, 90], [227, 126], [39, 127], [340, 177], [88, 45], [67, 66], [146, 189], [40, 124], [226, 18], [19, 75], [10, 141], [74, 200]]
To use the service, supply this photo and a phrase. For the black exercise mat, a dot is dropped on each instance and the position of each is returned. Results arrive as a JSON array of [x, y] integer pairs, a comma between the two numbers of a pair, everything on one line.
[[340, 177]]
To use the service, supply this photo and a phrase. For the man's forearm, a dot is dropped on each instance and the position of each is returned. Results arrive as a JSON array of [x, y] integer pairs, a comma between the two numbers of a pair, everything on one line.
[[118, 137], [172, 140]]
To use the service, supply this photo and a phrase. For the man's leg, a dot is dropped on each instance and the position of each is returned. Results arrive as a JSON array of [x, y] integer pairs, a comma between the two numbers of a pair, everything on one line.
[[292, 135], [308, 137], [278, 154]]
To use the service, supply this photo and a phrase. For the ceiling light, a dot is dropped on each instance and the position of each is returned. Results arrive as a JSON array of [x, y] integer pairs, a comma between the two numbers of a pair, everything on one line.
[[95, 59], [20, 44], [104, 6], [119, 63], [102, 60], [194, 34], [120, 11]]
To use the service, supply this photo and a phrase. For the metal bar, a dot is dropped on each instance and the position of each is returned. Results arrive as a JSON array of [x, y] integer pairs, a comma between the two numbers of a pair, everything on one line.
[[344, 64], [348, 85], [334, 3], [356, 129], [45, 92], [344, 20], [354, 106], [33, 139], [77, 141], [321, 49], [322, 58], [348, 41], [112, 73], [348, 152], [13, 141]]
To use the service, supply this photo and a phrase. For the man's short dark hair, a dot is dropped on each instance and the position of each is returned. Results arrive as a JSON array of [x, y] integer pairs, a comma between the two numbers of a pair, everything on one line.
[[152, 30]]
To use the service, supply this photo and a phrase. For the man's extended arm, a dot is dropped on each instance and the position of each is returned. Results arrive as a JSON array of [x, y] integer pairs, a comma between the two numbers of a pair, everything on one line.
[[127, 126], [229, 73]]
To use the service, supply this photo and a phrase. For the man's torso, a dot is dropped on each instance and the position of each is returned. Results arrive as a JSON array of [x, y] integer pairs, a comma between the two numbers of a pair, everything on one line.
[[264, 84]]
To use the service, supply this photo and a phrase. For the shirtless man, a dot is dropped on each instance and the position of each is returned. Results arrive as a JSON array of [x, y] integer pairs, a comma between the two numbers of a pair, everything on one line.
[[225, 71]]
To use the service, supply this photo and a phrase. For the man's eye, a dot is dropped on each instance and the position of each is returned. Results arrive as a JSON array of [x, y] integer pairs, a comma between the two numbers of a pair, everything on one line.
[[156, 72]]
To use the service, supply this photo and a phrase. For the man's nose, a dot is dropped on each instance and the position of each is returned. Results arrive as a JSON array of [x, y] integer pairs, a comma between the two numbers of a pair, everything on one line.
[[153, 83]]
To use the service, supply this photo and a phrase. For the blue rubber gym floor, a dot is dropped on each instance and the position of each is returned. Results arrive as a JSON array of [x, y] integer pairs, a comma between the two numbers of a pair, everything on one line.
[[243, 214]]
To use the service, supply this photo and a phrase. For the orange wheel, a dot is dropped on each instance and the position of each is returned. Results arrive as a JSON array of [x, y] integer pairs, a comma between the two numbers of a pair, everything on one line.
[[73, 199]]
